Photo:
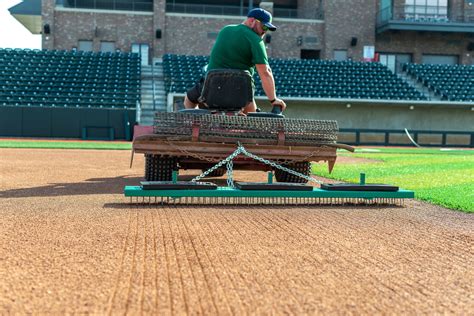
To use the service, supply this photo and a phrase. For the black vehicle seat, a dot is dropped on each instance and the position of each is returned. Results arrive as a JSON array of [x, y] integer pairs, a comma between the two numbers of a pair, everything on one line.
[[226, 89], [229, 90]]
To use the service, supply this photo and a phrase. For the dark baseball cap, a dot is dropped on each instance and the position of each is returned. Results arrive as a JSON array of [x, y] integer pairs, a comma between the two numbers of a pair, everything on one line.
[[263, 16]]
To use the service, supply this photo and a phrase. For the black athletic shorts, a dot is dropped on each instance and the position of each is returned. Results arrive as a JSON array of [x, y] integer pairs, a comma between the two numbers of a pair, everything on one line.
[[195, 92]]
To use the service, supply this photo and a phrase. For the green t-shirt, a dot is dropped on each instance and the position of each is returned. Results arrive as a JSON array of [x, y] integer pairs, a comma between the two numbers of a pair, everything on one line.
[[238, 47]]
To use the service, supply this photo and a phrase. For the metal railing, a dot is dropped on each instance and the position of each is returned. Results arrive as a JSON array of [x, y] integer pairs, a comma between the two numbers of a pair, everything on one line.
[[383, 137], [125, 5], [421, 14], [153, 85], [384, 15], [143, 5], [205, 9], [239, 10]]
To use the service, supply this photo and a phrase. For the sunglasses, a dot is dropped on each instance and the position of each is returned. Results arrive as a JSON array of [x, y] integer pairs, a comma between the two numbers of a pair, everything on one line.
[[264, 27]]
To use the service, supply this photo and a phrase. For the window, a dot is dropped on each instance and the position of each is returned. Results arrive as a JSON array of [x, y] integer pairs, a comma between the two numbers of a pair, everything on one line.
[[281, 8], [440, 59], [129, 5], [426, 10], [385, 4], [388, 60], [395, 61], [401, 60], [107, 47], [310, 54], [85, 46], [143, 51], [311, 40], [340, 54]]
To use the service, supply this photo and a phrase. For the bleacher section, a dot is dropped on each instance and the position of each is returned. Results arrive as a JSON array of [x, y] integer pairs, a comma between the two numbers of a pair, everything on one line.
[[305, 78], [69, 79], [450, 82], [181, 72]]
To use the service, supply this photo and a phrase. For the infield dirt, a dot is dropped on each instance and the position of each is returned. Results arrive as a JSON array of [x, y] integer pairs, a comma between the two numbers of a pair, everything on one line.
[[70, 243]]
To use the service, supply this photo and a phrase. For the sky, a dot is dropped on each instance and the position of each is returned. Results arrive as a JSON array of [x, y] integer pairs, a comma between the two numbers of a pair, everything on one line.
[[13, 34]]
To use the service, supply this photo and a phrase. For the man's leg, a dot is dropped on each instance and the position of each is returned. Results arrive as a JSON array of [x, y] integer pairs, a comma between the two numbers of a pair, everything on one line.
[[188, 104], [192, 95], [250, 107]]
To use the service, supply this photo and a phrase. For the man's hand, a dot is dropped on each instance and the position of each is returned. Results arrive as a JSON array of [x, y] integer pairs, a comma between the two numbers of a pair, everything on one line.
[[280, 103]]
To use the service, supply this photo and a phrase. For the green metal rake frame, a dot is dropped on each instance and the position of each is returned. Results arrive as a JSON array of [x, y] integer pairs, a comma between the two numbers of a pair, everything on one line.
[[137, 191], [226, 195]]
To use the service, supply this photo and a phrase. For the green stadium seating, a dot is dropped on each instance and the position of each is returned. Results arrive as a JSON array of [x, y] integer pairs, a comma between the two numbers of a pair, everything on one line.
[[69, 78], [304, 78], [450, 82]]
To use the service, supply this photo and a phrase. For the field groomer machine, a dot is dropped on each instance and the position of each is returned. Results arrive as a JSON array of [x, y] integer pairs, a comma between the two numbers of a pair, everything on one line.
[[217, 140]]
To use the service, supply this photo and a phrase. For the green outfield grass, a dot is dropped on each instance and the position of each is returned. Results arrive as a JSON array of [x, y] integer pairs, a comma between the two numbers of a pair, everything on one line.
[[65, 144], [442, 177]]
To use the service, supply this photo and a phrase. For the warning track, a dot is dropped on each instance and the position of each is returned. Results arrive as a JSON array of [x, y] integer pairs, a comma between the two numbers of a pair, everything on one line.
[[70, 243]]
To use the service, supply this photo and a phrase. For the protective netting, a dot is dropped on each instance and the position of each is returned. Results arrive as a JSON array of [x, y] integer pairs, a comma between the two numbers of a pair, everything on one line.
[[244, 129]]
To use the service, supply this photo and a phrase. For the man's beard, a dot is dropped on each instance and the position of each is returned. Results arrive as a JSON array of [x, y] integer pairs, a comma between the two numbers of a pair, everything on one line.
[[255, 29]]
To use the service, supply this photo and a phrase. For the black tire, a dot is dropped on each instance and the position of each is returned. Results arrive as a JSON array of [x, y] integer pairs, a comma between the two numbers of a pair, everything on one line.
[[302, 167], [219, 172], [160, 168]]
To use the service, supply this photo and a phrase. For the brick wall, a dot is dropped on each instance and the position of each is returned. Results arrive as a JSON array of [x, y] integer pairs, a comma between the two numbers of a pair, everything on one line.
[[345, 20], [307, 9], [193, 34], [284, 42], [159, 23], [47, 9], [189, 35], [123, 29], [419, 43], [469, 11]]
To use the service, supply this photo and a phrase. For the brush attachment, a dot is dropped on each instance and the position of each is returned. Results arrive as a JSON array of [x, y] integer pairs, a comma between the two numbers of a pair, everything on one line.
[[271, 194]]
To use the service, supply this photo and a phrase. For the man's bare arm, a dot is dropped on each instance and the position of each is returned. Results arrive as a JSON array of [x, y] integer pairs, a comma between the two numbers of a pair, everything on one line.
[[268, 84]]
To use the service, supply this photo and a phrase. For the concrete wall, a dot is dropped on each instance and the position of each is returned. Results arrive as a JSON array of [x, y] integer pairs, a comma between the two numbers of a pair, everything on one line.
[[380, 115]]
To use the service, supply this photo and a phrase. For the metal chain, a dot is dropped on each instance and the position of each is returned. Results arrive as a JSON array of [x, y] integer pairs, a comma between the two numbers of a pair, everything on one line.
[[241, 150], [275, 165], [230, 176], [218, 165]]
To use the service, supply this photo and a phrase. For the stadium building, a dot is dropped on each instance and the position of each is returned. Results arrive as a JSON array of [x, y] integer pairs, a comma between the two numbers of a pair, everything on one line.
[[377, 67]]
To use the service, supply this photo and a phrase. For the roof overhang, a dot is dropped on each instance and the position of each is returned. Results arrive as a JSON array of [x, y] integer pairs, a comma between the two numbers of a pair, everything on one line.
[[426, 26], [28, 13]]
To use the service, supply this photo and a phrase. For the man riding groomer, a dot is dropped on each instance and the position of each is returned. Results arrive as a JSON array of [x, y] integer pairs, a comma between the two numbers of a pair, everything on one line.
[[242, 47]]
